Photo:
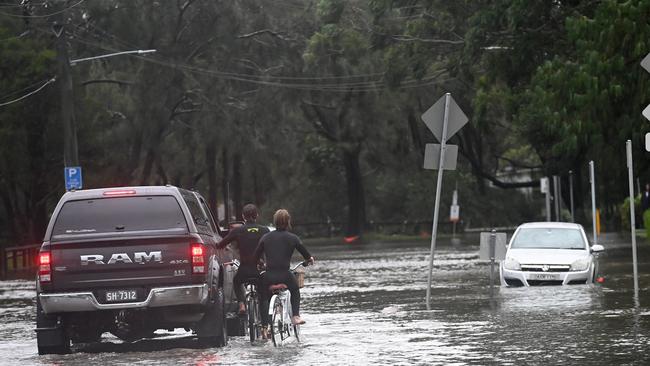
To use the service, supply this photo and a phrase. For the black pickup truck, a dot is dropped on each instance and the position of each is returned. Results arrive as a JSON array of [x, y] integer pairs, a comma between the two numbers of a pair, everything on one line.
[[129, 261]]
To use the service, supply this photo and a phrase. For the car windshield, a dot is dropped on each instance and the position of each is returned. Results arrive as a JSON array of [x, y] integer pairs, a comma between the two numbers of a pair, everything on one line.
[[548, 238]]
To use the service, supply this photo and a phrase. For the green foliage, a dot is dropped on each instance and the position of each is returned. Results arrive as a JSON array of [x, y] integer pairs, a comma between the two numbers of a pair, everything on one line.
[[298, 104], [330, 11], [624, 211], [646, 223]]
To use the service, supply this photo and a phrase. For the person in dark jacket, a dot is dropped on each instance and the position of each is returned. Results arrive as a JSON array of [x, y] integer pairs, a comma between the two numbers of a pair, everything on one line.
[[247, 237], [278, 247]]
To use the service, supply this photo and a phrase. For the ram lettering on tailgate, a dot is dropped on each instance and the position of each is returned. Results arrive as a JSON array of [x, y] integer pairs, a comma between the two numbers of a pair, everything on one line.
[[138, 257]]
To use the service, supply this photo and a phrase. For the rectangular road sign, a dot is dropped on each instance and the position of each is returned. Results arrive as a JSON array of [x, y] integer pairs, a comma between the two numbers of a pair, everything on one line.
[[647, 142], [432, 157], [434, 118], [543, 185], [73, 178], [454, 213], [500, 246]]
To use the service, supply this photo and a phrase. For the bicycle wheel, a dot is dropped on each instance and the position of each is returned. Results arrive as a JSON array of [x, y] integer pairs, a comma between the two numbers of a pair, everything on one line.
[[296, 332], [278, 332], [253, 318]]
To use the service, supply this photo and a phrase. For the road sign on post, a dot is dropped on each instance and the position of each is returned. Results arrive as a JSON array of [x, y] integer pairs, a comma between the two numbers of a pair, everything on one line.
[[543, 185], [432, 157], [73, 178], [444, 119], [630, 175], [645, 63]]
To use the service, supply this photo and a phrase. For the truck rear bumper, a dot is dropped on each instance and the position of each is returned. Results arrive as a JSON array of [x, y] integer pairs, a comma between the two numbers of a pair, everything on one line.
[[158, 297]]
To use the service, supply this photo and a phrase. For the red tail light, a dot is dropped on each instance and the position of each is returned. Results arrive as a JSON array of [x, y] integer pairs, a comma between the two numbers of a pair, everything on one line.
[[45, 267], [198, 261], [120, 192]]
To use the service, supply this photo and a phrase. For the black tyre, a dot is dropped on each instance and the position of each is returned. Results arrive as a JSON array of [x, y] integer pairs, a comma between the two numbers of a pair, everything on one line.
[[254, 318], [213, 331], [278, 331], [296, 332], [50, 333]]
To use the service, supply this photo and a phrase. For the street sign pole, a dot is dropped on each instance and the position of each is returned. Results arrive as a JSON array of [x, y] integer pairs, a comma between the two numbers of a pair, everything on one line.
[[630, 176], [434, 226], [546, 189], [592, 180], [556, 197], [573, 215]]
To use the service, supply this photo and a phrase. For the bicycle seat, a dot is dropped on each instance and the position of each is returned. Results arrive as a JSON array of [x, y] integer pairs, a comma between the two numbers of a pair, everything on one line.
[[277, 287]]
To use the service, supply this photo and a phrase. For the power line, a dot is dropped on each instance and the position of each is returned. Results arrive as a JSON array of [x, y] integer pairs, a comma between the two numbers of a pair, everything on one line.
[[105, 33], [53, 79], [41, 16], [374, 85]]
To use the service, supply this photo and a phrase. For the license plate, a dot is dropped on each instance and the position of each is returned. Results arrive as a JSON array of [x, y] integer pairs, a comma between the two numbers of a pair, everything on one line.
[[121, 296], [543, 276]]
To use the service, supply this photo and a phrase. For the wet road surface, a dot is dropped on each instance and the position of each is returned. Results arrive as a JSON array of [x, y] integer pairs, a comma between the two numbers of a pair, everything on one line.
[[365, 305]]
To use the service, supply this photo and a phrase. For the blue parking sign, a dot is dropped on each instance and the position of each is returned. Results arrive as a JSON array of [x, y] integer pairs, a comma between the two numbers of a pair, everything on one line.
[[73, 178]]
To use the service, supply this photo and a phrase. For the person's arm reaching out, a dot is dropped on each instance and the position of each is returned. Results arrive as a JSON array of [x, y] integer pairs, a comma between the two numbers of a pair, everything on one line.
[[232, 234], [303, 250]]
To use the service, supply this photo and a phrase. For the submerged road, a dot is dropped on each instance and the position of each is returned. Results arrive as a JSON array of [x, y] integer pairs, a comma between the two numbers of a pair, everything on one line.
[[365, 305]]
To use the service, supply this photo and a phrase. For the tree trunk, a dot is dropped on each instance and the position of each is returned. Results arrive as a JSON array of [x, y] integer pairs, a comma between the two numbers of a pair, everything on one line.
[[211, 166], [148, 165], [356, 197], [225, 185], [237, 185], [257, 189]]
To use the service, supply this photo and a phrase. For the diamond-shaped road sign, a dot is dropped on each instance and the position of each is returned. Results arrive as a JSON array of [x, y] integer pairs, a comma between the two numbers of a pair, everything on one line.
[[432, 157], [434, 118], [645, 63]]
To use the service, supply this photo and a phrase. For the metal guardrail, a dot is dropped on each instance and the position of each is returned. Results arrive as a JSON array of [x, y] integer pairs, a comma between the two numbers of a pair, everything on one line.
[[18, 261]]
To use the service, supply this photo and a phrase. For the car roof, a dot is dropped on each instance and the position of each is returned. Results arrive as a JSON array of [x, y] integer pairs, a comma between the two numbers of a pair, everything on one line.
[[550, 225], [140, 190]]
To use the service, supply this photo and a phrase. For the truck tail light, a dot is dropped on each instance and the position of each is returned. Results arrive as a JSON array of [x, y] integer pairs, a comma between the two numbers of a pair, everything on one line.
[[198, 260], [45, 267], [119, 192]]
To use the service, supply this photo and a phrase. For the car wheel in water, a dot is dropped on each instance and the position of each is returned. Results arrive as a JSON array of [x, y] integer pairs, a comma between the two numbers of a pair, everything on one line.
[[51, 337]]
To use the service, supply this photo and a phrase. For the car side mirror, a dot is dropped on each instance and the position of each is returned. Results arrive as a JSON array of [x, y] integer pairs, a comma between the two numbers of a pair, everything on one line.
[[597, 248]]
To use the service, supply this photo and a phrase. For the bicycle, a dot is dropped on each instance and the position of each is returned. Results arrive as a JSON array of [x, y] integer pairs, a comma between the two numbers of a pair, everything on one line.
[[280, 312], [252, 306]]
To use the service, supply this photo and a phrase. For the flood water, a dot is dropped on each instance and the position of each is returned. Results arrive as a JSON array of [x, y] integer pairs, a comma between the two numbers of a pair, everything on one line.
[[365, 305]]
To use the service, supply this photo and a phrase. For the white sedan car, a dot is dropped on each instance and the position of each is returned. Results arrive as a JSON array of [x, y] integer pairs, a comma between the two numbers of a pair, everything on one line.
[[549, 253]]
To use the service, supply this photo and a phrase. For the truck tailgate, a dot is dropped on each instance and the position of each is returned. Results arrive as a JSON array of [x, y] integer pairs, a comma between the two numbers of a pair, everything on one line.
[[130, 262]]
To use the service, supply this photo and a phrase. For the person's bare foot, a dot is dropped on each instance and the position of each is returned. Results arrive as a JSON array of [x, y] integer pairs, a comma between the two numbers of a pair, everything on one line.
[[297, 320], [265, 333]]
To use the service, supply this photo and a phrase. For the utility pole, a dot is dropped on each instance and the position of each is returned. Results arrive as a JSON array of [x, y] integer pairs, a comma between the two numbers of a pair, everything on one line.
[[70, 150], [573, 217]]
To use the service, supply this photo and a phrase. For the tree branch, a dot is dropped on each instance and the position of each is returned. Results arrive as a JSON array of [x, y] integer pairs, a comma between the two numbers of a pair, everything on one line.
[[107, 81], [263, 31], [407, 38]]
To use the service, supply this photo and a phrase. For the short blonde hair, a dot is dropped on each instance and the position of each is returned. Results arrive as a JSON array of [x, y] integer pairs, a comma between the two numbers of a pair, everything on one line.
[[282, 219]]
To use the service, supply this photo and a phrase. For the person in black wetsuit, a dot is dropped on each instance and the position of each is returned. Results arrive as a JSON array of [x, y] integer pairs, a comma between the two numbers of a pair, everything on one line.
[[278, 246], [247, 237]]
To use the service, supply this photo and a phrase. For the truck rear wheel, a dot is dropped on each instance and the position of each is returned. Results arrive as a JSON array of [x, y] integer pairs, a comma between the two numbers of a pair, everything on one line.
[[212, 330], [50, 333]]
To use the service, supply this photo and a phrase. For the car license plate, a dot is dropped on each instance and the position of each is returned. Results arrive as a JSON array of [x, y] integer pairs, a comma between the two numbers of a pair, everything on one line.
[[543, 276], [121, 296]]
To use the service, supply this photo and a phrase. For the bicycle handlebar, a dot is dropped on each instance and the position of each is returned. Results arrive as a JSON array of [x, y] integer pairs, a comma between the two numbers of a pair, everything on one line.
[[233, 262], [304, 264], [237, 264]]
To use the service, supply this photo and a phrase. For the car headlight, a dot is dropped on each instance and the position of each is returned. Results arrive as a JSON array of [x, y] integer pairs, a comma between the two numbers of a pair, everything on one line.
[[580, 264], [511, 264]]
